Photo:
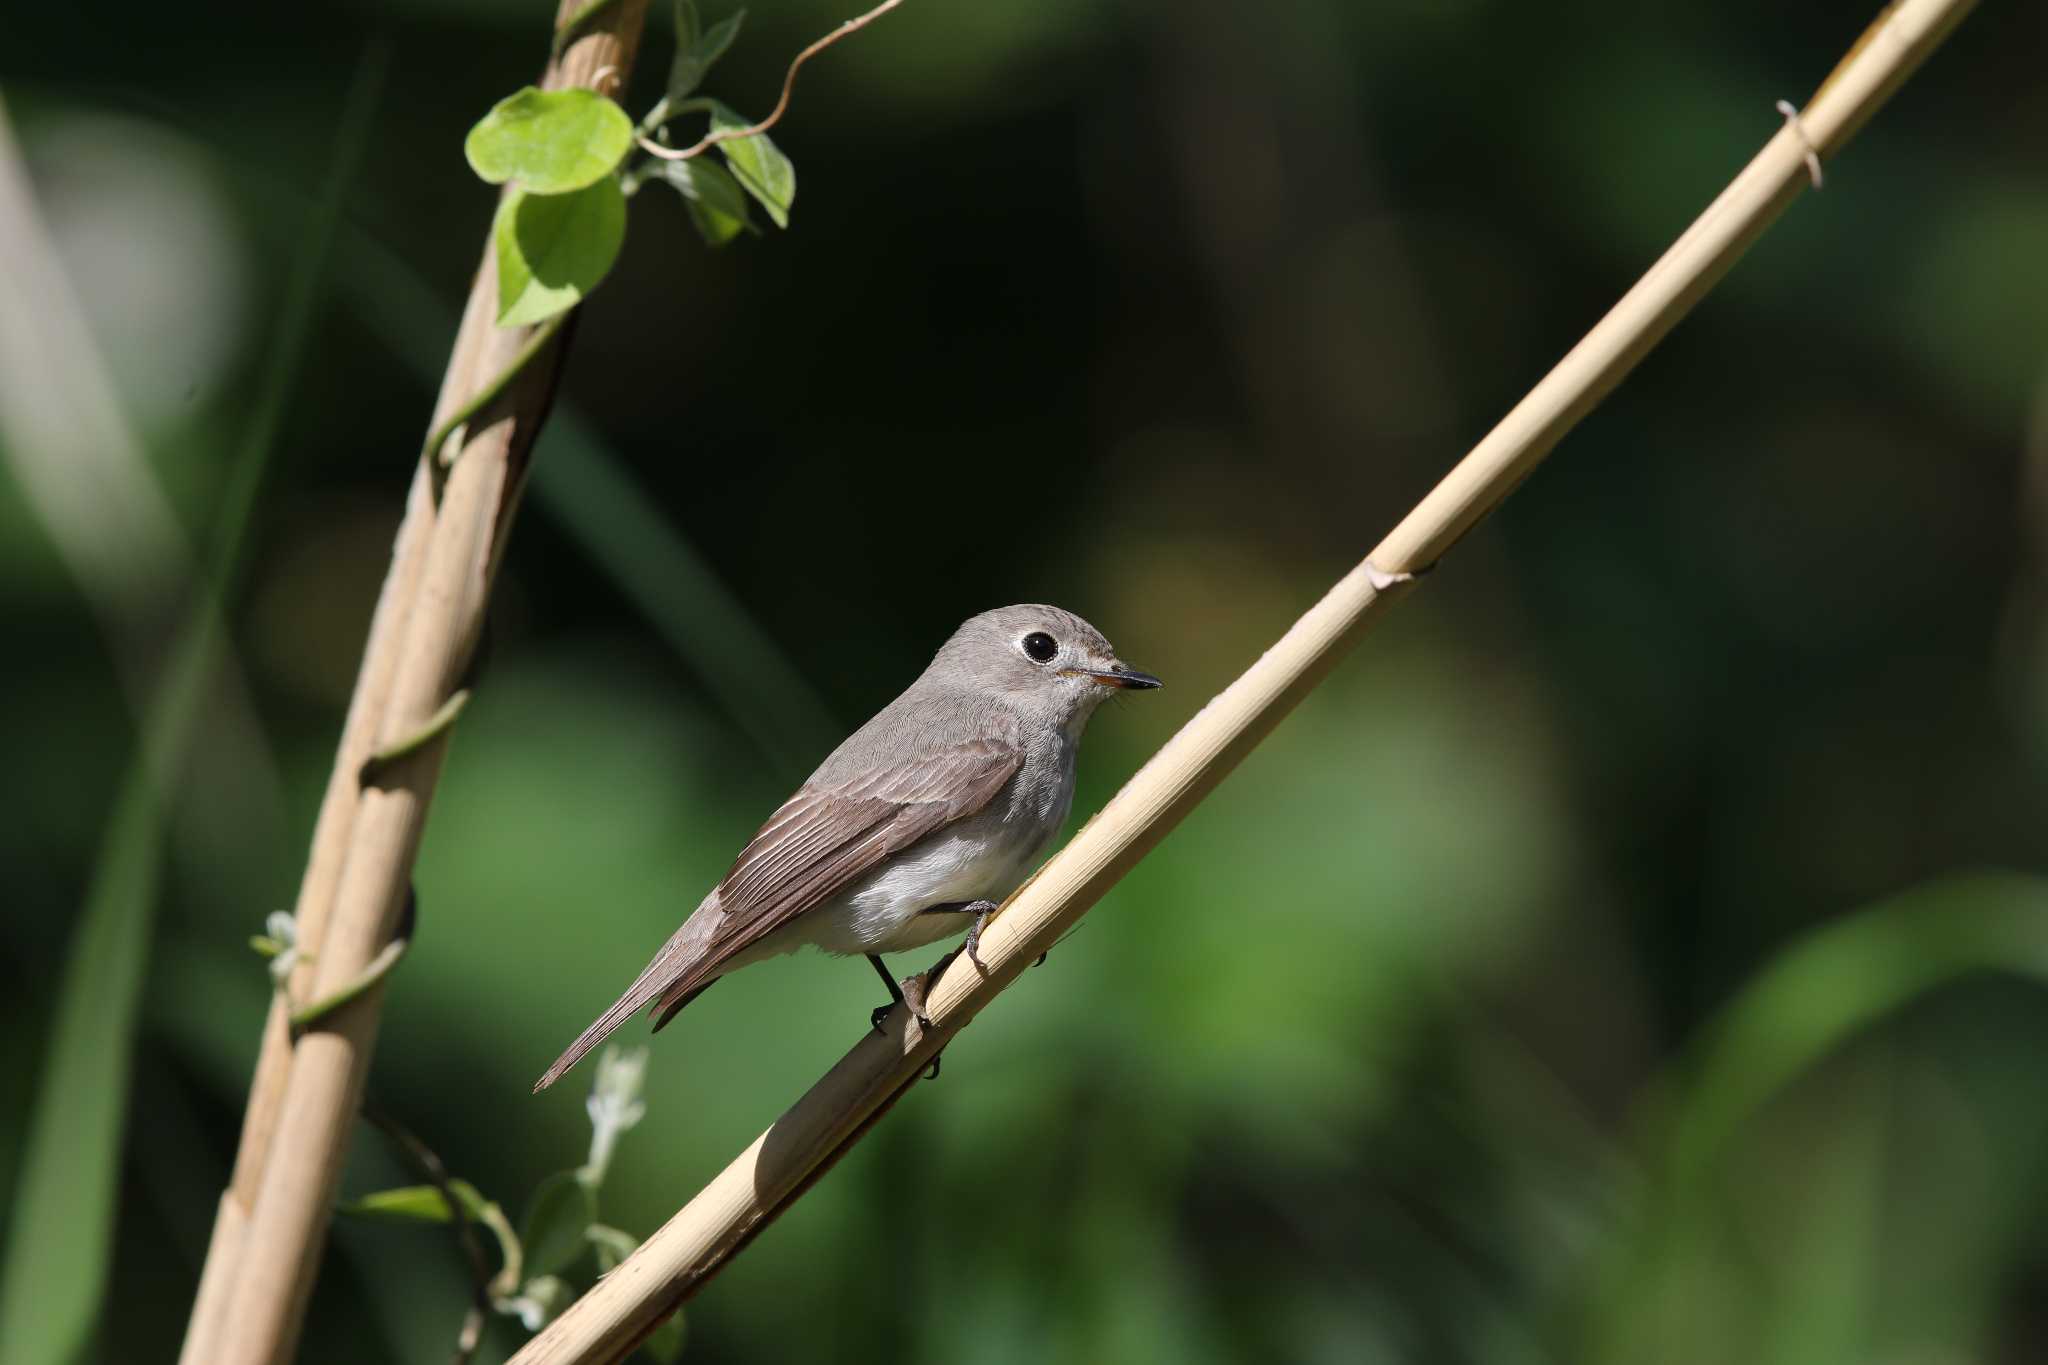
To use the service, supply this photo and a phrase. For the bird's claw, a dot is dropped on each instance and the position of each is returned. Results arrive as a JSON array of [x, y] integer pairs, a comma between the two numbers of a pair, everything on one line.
[[981, 910], [913, 998]]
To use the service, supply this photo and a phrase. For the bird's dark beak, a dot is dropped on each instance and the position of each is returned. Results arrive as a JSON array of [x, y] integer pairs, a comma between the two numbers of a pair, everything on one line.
[[1126, 677]]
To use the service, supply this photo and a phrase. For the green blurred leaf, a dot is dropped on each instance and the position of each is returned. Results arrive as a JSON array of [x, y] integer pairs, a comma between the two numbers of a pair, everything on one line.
[[418, 1204], [550, 141], [556, 1228], [554, 248], [1795, 1014], [758, 163], [61, 1234], [696, 52], [1842, 979], [717, 204]]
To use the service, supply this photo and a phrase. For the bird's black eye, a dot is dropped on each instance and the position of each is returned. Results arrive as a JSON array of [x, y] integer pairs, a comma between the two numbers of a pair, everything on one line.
[[1039, 647]]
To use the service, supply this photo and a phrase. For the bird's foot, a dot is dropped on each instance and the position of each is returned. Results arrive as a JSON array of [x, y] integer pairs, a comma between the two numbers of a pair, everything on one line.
[[981, 910], [913, 997]]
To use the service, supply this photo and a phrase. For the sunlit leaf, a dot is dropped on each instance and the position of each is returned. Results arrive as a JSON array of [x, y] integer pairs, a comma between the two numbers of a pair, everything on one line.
[[553, 249], [758, 163], [417, 1204], [550, 141]]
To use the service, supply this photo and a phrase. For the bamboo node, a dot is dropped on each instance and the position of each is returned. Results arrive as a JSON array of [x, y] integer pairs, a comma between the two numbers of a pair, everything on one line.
[[1381, 580]]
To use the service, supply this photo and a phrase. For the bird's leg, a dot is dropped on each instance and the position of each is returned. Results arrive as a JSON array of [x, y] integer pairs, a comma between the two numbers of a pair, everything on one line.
[[981, 910], [902, 997], [895, 992]]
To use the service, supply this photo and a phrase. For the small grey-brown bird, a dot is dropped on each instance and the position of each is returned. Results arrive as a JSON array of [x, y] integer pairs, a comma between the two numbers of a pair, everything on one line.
[[915, 827]]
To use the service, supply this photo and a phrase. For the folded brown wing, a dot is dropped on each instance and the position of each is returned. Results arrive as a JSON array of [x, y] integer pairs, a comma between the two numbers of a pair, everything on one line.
[[823, 839]]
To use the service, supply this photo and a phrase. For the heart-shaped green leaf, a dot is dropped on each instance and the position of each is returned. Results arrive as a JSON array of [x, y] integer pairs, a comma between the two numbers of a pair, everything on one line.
[[550, 141], [761, 168], [554, 248], [717, 204]]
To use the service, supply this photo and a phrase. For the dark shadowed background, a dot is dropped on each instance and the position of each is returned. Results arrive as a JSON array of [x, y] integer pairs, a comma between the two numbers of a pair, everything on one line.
[[1596, 968]]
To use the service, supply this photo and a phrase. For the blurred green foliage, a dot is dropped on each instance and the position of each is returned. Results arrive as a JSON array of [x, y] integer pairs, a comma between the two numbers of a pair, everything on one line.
[[1587, 971]]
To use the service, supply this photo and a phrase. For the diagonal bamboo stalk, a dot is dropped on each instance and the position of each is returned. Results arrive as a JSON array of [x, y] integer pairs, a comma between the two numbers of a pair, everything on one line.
[[672, 1264], [273, 1217]]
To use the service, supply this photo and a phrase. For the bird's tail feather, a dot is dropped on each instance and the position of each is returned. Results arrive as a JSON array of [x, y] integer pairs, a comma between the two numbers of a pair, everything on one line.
[[669, 965]]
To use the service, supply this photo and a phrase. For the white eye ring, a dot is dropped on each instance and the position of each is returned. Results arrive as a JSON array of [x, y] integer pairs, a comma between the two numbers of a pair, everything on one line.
[[1039, 647]]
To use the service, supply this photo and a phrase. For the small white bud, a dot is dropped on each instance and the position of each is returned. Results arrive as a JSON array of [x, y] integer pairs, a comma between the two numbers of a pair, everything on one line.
[[614, 1105]]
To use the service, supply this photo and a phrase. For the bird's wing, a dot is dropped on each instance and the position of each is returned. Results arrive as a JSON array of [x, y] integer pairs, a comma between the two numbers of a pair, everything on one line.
[[819, 842], [825, 837]]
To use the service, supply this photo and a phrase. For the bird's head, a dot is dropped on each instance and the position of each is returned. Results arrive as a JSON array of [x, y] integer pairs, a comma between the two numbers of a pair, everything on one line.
[[1038, 658]]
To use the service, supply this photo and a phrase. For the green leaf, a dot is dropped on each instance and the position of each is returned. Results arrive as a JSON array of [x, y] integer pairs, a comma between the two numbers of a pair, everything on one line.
[[717, 204], [418, 1204], [550, 141], [556, 1229], [759, 164], [406, 1204], [696, 53], [60, 1237], [554, 248], [1837, 981]]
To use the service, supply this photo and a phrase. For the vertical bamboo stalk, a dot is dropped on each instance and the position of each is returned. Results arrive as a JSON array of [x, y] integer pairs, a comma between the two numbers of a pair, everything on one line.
[[273, 1217], [623, 1307]]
